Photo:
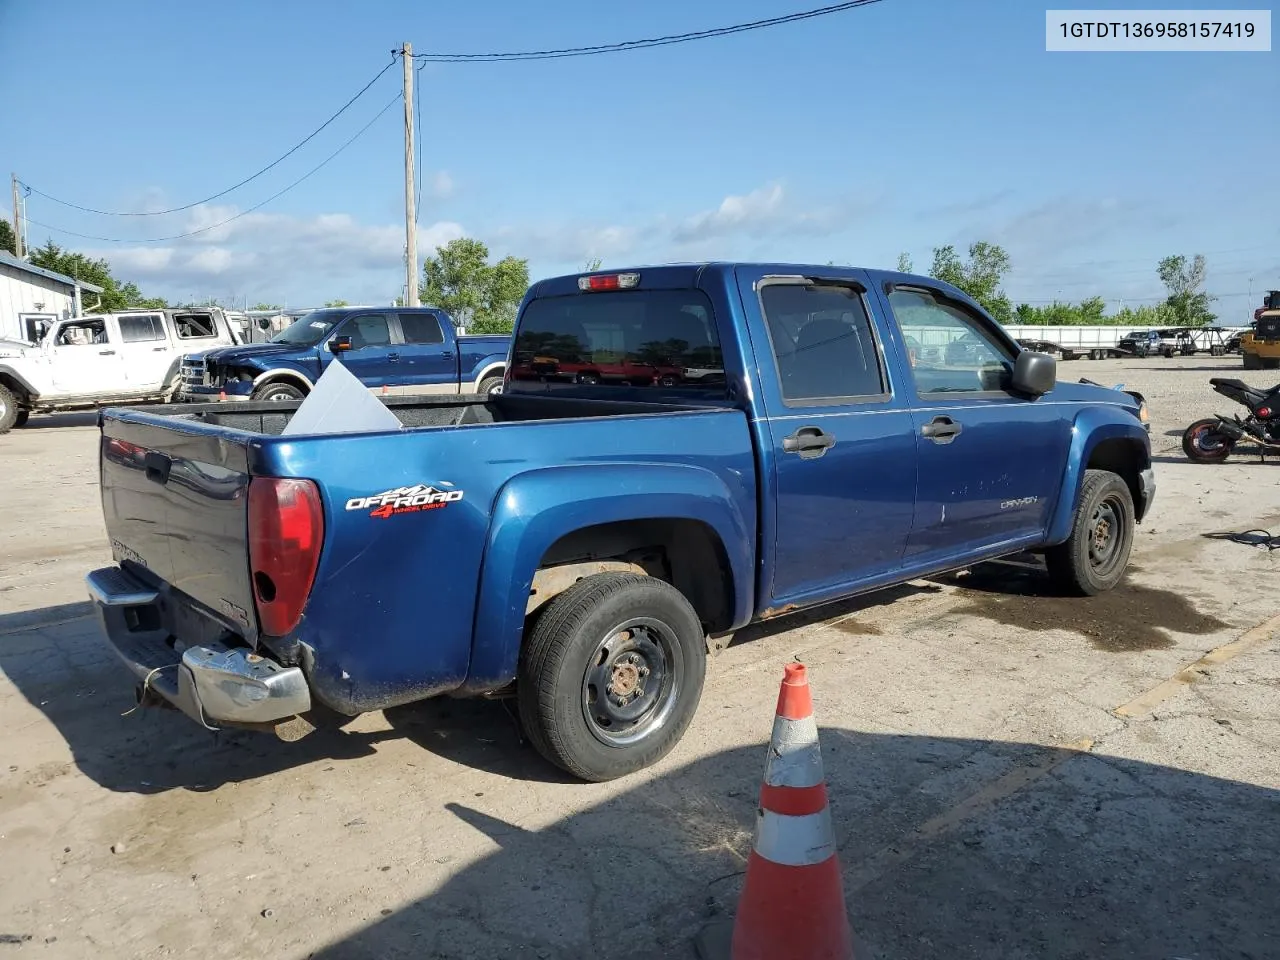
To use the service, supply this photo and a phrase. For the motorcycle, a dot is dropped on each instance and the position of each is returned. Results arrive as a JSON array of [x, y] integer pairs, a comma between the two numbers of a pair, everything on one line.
[[1212, 439]]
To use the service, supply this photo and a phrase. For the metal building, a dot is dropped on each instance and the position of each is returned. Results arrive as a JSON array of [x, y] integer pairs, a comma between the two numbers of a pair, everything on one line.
[[29, 293]]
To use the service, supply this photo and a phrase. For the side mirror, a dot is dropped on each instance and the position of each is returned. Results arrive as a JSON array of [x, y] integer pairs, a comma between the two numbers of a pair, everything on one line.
[[1034, 373], [339, 344]]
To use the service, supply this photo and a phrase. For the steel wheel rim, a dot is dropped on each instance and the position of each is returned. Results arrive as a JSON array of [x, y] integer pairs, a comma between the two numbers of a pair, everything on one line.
[[1107, 534], [632, 681]]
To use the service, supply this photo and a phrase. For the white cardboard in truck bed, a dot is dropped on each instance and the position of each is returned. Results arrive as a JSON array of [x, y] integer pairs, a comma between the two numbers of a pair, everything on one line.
[[340, 403]]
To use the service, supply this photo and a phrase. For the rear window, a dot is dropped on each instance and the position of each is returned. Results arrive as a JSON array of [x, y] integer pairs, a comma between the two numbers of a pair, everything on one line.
[[664, 339]]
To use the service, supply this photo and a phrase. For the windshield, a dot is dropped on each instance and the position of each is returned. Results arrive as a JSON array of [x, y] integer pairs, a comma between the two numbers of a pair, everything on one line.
[[664, 339], [310, 328]]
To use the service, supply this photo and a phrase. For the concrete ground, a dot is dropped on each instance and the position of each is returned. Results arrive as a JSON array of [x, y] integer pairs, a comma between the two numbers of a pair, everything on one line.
[[1012, 774]]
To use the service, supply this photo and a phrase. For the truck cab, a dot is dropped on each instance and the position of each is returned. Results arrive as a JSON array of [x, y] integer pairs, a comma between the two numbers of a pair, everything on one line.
[[392, 350], [102, 358]]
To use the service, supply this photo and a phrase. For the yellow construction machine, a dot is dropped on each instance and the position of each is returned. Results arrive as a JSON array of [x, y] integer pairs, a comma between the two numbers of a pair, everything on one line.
[[1260, 347]]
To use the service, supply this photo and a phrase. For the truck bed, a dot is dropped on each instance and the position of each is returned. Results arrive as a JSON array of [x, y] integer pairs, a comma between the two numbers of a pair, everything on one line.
[[176, 491]]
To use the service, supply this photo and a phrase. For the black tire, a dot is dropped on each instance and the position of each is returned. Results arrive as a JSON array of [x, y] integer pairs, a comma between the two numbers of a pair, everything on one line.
[[588, 378], [490, 386], [1270, 363], [1252, 361], [21, 419], [621, 627], [278, 392], [1094, 558], [1203, 442], [9, 410]]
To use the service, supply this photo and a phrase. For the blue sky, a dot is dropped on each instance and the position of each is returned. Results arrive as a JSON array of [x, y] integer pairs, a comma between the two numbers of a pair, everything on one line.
[[897, 127]]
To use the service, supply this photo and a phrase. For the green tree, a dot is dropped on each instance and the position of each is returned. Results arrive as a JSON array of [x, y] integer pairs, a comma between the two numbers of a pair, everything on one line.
[[7, 240], [336, 303], [980, 278], [480, 296], [265, 306], [1187, 303], [592, 265], [115, 295], [1086, 313], [904, 263]]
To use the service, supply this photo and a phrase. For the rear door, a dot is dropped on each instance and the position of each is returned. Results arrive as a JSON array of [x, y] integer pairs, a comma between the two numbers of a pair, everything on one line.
[[990, 461], [146, 348], [374, 358], [86, 358], [843, 448], [428, 361]]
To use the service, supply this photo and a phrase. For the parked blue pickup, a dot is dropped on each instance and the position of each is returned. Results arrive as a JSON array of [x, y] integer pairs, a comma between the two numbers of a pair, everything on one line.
[[392, 350], [753, 439]]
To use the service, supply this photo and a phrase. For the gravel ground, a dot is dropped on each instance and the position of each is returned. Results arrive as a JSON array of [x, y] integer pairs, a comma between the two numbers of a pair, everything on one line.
[[1013, 775]]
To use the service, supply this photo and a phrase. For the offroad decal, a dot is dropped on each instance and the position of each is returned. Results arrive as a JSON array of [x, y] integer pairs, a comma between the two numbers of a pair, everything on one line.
[[413, 499]]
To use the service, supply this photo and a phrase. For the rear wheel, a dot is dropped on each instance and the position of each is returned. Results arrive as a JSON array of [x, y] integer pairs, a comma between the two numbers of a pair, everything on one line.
[[611, 675], [22, 418], [1094, 558], [9, 410], [490, 386], [278, 392], [1204, 442], [1252, 361], [1270, 363]]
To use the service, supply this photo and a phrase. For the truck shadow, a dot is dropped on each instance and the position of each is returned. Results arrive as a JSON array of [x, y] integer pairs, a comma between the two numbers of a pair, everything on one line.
[[956, 847], [46, 421]]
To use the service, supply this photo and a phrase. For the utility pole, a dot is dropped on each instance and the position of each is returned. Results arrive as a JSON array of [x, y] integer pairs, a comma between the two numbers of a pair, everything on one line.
[[410, 202], [18, 245]]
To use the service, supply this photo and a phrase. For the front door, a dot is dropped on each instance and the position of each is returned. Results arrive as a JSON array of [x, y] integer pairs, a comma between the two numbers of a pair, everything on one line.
[[371, 355], [427, 363], [86, 359], [147, 351], [990, 461], [844, 454]]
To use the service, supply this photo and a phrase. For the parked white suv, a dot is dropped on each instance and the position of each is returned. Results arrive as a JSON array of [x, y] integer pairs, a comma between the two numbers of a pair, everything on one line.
[[89, 361]]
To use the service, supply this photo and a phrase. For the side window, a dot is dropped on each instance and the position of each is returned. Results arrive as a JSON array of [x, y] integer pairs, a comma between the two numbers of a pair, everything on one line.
[[823, 342], [194, 326], [948, 345], [369, 330], [141, 328], [82, 333], [421, 328]]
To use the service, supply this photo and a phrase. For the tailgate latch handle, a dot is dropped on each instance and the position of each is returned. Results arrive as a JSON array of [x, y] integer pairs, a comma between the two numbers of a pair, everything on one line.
[[158, 466]]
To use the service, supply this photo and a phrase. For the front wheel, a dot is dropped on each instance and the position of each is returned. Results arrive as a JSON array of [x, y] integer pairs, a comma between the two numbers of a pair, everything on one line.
[[1204, 442], [1252, 361], [9, 410], [1094, 558], [278, 393], [611, 675]]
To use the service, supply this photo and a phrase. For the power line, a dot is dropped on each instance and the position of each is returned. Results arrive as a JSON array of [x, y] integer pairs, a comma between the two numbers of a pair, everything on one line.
[[181, 236], [223, 193], [641, 44]]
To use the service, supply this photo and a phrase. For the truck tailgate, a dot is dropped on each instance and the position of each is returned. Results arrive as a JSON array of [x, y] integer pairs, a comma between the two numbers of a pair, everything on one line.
[[174, 496]]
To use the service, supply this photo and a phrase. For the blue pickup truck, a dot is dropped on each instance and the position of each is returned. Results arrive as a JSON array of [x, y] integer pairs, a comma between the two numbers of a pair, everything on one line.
[[582, 544], [392, 350]]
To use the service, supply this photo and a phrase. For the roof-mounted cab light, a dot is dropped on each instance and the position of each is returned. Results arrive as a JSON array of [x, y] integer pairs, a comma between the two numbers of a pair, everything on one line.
[[609, 281]]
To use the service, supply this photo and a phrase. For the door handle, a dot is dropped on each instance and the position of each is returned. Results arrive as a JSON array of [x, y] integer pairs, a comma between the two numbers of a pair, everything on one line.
[[106, 353], [159, 349], [809, 442], [393, 357], [447, 355], [941, 430]]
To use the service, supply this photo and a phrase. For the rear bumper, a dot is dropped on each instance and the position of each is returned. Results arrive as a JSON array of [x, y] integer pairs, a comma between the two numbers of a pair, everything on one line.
[[208, 681]]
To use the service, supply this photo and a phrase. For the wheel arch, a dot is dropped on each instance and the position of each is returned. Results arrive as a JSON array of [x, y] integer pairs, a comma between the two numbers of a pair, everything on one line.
[[283, 375], [494, 368], [1100, 442], [653, 518], [18, 384]]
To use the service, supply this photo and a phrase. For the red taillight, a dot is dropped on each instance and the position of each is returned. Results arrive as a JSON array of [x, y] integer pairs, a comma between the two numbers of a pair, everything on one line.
[[286, 528], [609, 281], [1264, 411]]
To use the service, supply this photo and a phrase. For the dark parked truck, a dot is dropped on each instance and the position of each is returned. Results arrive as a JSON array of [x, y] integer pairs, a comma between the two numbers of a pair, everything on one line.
[[582, 544], [392, 350]]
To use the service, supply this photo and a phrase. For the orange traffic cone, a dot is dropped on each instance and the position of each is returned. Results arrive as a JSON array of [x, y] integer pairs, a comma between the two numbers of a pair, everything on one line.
[[792, 904]]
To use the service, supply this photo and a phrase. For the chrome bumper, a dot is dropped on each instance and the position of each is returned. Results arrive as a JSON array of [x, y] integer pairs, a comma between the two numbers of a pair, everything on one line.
[[209, 682]]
